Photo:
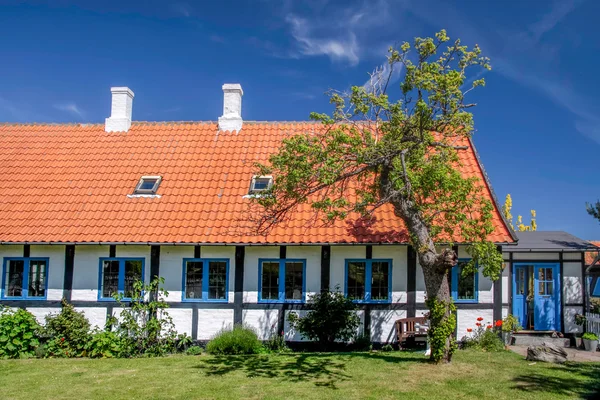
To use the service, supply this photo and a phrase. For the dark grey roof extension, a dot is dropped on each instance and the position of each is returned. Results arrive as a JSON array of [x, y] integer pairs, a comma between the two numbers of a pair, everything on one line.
[[545, 241]]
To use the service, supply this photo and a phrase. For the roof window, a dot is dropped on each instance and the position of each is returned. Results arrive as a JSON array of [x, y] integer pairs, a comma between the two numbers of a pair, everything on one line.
[[148, 185], [260, 184]]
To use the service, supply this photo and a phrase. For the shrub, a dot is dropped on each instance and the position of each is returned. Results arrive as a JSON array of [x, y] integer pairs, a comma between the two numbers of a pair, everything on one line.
[[18, 334], [332, 318], [362, 342], [595, 305], [510, 324], [144, 326], [240, 340], [194, 351], [387, 348], [589, 336], [276, 342], [484, 337], [104, 344], [68, 332]]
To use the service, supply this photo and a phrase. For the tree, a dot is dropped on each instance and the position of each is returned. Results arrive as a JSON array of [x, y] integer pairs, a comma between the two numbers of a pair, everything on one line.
[[374, 152], [593, 209], [521, 227]]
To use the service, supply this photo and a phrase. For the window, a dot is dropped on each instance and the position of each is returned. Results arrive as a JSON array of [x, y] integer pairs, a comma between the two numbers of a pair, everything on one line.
[[205, 279], [148, 185], [369, 280], [463, 284], [260, 184], [281, 280], [25, 278], [117, 276]]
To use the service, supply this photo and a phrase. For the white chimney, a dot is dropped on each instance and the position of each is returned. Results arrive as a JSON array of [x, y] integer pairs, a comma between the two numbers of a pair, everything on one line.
[[120, 110], [231, 120]]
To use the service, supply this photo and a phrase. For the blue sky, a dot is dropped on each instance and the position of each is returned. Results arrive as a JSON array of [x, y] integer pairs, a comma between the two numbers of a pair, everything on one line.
[[537, 120]]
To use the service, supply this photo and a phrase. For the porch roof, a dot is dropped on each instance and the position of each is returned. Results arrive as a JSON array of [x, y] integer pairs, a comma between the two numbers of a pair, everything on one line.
[[549, 241]]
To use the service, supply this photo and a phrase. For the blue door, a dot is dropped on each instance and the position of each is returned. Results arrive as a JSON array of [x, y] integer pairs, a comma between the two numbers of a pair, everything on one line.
[[520, 293], [546, 297]]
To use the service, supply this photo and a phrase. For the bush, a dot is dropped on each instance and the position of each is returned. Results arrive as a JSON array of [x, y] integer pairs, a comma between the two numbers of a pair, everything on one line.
[[276, 342], [595, 305], [387, 348], [589, 336], [194, 351], [332, 318], [144, 326], [484, 337], [18, 334], [240, 340], [362, 342], [68, 332], [104, 344]]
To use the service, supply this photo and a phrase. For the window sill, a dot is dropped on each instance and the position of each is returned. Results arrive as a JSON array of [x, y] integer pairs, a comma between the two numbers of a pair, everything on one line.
[[475, 301], [205, 301], [281, 301], [23, 298]]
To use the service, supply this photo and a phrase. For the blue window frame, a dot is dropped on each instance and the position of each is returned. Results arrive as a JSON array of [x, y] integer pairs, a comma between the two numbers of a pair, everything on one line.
[[464, 287], [117, 276], [205, 279], [369, 281], [25, 278], [281, 280]]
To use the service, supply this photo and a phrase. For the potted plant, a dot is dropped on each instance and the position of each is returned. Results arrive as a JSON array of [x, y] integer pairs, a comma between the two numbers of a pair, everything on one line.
[[590, 341], [510, 324]]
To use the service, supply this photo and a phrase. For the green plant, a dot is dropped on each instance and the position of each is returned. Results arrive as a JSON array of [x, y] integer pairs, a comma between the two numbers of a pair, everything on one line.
[[276, 342], [511, 324], [595, 305], [67, 332], [184, 341], [361, 342], [484, 337], [387, 348], [239, 340], [441, 332], [104, 344], [144, 326], [589, 336], [194, 351], [580, 319], [331, 318], [18, 333]]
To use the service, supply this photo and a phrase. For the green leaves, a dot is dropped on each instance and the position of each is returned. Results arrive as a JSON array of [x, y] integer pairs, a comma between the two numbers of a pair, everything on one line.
[[18, 330]]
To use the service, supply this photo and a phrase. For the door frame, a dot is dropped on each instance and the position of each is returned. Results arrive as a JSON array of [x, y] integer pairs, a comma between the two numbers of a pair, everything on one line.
[[557, 284]]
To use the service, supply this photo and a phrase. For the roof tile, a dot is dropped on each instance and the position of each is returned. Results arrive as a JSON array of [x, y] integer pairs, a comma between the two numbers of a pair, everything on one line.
[[69, 183]]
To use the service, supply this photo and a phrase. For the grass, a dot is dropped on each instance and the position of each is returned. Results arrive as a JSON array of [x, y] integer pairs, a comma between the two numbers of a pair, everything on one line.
[[402, 375]]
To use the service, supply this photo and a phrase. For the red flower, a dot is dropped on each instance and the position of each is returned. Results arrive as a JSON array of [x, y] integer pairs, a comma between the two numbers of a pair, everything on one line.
[[489, 327], [480, 319], [281, 333], [478, 324], [469, 330], [499, 323], [62, 339]]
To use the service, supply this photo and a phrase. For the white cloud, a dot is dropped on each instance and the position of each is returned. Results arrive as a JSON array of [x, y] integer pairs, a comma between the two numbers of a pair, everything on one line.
[[344, 48], [380, 76], [70, 108]]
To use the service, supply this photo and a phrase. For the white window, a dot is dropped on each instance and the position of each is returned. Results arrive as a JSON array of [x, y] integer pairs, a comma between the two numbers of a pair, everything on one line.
[[261, 184], [148, 185]]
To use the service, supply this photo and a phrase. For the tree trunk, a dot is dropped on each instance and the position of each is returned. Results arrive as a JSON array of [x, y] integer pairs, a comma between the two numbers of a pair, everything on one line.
[[436, 266]]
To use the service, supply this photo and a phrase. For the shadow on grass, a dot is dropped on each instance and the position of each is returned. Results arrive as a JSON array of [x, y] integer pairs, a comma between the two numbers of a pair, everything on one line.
[[325, 369], [576, 379]]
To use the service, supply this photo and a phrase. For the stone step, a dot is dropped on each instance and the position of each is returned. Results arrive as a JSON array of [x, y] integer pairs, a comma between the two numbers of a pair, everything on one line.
[[537, 340]]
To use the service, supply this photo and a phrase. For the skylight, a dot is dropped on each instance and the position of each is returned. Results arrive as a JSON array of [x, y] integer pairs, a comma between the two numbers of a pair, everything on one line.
[[148, 185], [261, 184]]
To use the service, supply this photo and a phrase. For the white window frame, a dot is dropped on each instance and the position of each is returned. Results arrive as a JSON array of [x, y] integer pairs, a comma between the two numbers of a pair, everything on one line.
[[138, 189], [258, 191]]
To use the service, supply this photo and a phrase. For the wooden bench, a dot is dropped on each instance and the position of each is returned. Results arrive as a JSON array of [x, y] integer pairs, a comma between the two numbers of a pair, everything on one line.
[[405, 328]]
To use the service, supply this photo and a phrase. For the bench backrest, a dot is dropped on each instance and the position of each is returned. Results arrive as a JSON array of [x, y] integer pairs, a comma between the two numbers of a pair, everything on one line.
[[406, 326]]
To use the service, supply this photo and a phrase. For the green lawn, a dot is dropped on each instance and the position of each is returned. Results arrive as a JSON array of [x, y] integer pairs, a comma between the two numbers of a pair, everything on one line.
[[402, 375]]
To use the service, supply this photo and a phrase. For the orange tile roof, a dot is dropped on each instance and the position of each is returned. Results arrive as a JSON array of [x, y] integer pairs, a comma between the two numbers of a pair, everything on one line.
[[69, 183], [591, 255]]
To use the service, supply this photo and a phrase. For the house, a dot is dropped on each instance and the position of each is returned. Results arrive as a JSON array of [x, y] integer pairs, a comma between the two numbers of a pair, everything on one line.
[[85, 209]]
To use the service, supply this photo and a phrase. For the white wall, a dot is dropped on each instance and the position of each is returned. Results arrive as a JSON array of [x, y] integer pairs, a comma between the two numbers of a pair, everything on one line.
[[572, 282], [535, 256], [383, 329], [171, 268], [212, 321], [569, 318], [468, 319], [263, 321], [86, 271]]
